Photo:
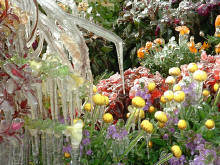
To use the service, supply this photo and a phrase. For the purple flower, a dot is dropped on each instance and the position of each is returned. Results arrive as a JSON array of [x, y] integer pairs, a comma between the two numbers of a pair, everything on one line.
[[172, 130], [86, 141], [80, 150], [111, 130], [67, 149], [191, 147], [146, 96], [177, 161], [124, 133], [116, 134], [165, 136], [89, 152], [203, 10], [86, 133]]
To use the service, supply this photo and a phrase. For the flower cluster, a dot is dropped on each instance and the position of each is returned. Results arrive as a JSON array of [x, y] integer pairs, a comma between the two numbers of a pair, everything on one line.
[[134, 79], [115, 133]]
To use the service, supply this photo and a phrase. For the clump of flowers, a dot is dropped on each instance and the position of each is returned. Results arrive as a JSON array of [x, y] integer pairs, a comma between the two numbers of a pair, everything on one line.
[[134, 80], [165, 56]]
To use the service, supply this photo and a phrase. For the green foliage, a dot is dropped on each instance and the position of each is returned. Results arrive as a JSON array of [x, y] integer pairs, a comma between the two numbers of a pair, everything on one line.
[[104, 75], [137, 23]]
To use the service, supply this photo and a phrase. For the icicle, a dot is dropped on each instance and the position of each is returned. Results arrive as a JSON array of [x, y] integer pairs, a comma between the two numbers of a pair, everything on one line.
[[56, 108], [39, 97], [51, 90], [49, 148], [43, 148], [64, 100], [70, 94]]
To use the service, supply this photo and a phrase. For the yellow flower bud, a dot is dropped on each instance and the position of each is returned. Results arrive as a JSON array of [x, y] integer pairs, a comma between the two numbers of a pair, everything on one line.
[[177, 87], [151, 109], [108, 118], [147, 126], [150, 144], [175, 71], [168, 95], [182, 124], [66, 155], [94, 89], [163, 100], [139, 113], [106, 100], [179, 96], [138, 102], [88, 107], [151, 86], [192, 67], [170, 80], [161, 116], [98, 99], [200, 75], [161, 125], [216, 87], [210, 124], [176, 151], [128, 115], [205, 92]]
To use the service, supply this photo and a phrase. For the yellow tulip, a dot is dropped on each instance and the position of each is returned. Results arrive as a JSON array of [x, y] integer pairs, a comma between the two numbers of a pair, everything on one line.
[[192, 67], [177, 87], [205, 93], [88, 107], [168, 95], [170, 80], [200, 75], [147, 126], [176, 151], [210, 124], [151, 109], [179, 96], [161, 116], [138, 102], [151, 86], [108, 118], [216, 87], [182, 124], [175, 71]]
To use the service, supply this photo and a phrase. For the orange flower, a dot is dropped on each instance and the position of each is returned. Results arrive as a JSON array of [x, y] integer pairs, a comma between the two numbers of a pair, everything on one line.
[[159, 41], [182, 29], [140, 52], [204, 46], [192, 47], [217, 21], [217, 34], [217, 48], [148, 45]]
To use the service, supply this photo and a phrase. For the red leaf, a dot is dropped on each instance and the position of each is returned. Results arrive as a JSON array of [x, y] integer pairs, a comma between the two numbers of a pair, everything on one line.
[[17, 73], [23, 104]]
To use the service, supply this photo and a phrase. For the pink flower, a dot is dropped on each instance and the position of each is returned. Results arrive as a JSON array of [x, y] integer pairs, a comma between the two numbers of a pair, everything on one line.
[[16, 126], [204, 56]]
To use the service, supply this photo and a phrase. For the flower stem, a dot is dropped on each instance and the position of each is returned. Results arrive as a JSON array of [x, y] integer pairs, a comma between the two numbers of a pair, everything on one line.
[[216, 99]]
